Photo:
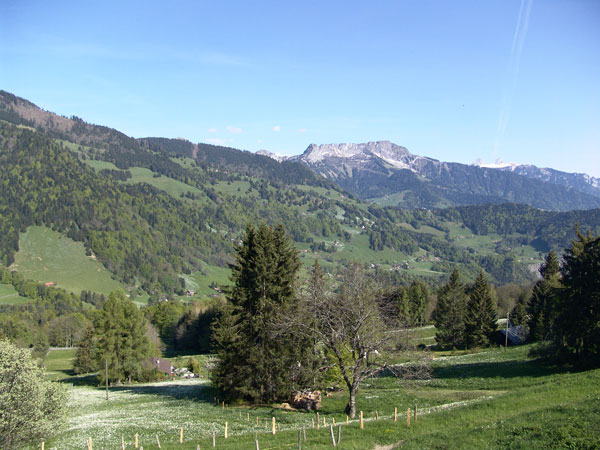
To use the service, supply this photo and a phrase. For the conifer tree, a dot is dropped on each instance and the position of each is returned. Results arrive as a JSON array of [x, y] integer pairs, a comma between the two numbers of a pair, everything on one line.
[[122, 340], [518, 315], [418, 294], [480, 317], [449, 316], [577, 327], [252, 363], [86, 358], [541, 308]]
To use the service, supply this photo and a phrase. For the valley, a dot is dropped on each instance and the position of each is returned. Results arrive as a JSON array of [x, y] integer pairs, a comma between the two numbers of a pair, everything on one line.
[[92, 219]]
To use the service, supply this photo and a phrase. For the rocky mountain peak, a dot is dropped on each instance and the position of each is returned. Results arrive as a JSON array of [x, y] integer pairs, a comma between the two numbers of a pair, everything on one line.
[[391, 153]]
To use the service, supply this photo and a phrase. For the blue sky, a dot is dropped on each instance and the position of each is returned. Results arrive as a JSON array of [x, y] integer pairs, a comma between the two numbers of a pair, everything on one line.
[[453, 80]]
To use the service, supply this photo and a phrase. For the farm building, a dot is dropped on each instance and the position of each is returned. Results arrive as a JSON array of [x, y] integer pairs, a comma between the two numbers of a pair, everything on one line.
[[162, 365], [517, 335]]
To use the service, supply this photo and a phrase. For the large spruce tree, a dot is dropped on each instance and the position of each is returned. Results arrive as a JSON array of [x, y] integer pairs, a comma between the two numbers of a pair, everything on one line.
[[480, 318], [256, 359], [418, 294], [541, 307], [577, 324], [449, 316]]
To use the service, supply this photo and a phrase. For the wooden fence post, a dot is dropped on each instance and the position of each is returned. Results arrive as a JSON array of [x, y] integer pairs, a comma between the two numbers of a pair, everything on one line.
[[339, 433], [332, 436], [157, 441], [42, 445], [318, 422], [225, 430], [346, 419], [181, 435], [256, 444], [313, 422], [395, 414], [415, 413], [408, 418], [136, 440], [273, 425], [299, 439], [247, 417], [122, 443], [214, 443], [304, 432], [362, 425], [90, 444], [376, 415]]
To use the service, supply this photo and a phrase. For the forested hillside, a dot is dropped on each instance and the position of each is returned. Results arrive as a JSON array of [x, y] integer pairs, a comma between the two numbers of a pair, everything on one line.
[[159, 213]]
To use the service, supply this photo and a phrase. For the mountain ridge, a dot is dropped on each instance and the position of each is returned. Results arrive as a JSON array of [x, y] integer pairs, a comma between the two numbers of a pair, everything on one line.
[[361, 168], [157, 211]]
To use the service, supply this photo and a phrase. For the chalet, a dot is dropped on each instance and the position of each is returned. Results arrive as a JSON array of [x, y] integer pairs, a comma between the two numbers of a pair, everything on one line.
[[517, 335], [162, 365]]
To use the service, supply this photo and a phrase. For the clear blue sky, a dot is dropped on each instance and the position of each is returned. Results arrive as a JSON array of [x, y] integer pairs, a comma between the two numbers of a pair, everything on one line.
[[454, 80]]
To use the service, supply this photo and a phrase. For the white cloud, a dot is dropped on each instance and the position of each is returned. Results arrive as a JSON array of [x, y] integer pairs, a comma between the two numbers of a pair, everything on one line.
[[277, 128], [212, 130], [234, 130], [260, 141], [302, 130], [215, 141]]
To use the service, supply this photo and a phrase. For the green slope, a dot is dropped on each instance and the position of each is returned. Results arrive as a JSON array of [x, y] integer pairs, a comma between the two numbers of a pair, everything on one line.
[[49, 257]]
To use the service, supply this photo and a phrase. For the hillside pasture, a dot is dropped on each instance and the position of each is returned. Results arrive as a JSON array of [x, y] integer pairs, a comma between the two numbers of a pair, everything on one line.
[[9, 296], [47, 256], [491, 399]]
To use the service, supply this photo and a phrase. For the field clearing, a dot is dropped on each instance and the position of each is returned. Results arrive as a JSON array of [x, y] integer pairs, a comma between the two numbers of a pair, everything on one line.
[[200, 281], [236, 188], [100, 165], [48, 256], [59, 364], [9, 296], [171, 186], [491, 399]]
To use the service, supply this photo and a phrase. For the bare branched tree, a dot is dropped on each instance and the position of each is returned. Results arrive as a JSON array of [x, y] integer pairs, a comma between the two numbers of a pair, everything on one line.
[[348, 324]]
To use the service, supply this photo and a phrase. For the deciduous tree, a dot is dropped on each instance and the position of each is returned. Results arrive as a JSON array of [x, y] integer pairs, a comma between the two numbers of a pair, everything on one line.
[[30, 407], [122, 340], [348, 324]]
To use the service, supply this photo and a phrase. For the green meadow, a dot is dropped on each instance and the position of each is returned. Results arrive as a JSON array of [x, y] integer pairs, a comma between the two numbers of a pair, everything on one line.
[[49, 257], [491, 399], [9, 296]]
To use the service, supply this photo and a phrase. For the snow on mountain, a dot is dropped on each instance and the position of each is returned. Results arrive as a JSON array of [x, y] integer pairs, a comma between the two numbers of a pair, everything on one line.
[[359, 154], [272, 155], [499, 164]]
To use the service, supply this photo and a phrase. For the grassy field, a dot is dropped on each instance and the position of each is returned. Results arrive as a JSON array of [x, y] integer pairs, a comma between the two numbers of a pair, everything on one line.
[[47, 256], [8, 296], [200, 281], [171, 186], [491, 399]]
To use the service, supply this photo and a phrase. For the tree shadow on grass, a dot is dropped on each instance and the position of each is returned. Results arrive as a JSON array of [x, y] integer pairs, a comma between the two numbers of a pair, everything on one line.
[[177, 390], [500, 369]]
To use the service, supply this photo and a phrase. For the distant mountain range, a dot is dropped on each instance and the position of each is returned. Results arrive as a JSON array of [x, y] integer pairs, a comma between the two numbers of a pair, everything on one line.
[[389, 174], [380, 172], [163, 215]]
